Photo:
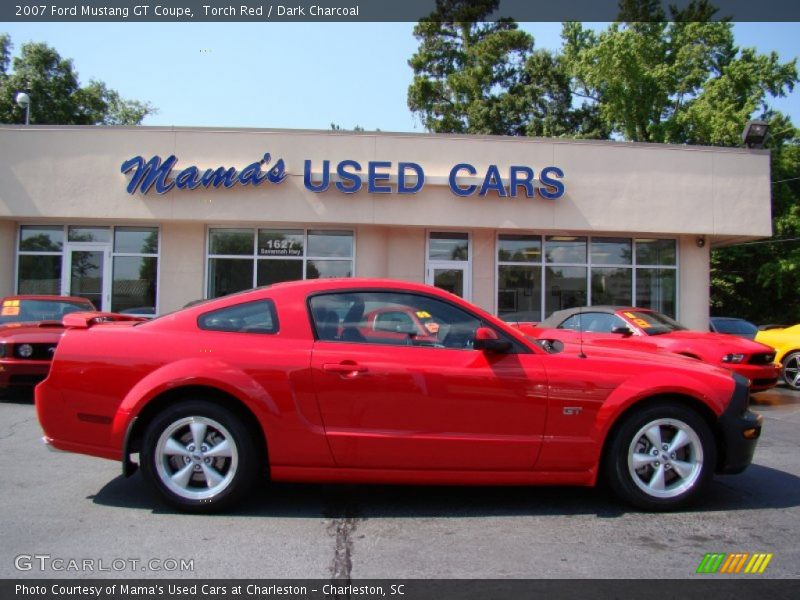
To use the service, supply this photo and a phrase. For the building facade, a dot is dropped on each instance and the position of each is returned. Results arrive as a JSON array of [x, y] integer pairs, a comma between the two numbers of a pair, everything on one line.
[[144, 220]]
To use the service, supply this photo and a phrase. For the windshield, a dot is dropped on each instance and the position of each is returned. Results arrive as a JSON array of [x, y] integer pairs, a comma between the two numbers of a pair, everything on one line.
[[735, 326], [20, 310], [652, 323]]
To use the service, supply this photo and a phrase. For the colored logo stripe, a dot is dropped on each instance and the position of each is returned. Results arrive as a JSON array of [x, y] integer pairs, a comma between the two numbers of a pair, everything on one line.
[[718, 562], [758, 563], [710, 563]]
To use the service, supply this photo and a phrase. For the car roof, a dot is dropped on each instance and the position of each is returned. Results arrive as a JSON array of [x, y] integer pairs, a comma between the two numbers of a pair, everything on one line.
[[562, 315], [728, 319]]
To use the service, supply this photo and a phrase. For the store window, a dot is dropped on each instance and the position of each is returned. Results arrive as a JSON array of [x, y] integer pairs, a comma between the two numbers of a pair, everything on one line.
[[565, 282], [135, 270], [538, 275], [40, 259], [240, 259], [519, 277], [116, 268]]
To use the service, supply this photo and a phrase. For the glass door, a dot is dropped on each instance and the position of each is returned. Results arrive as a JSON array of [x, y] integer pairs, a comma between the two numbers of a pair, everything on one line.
[[87, 271], [453, 278]]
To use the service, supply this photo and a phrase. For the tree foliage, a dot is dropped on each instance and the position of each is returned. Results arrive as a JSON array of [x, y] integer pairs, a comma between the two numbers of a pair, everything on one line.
[[57, 97], [650, 77], [683, 81], [760, 281], [474, 76]]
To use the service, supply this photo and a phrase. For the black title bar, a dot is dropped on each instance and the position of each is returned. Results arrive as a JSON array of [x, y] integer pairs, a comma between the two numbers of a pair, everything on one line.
[[741, 588], [255, 11]]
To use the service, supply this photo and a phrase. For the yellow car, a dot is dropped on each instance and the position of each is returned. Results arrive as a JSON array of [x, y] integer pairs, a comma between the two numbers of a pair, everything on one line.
[[786, 342]]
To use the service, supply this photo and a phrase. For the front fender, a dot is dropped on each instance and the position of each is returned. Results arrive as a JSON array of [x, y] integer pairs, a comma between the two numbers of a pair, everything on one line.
[[708, 392]]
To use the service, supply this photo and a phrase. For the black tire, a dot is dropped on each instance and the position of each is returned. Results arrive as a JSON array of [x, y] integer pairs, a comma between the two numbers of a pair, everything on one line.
[[673, 477], [790, 370], [214, 478]]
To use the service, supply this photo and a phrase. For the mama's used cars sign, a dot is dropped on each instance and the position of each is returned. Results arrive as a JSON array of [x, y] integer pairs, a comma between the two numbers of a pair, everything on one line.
[[347, 176]]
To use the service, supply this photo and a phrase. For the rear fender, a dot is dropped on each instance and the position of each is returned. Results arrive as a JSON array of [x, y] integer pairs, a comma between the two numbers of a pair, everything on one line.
[[184, 373]]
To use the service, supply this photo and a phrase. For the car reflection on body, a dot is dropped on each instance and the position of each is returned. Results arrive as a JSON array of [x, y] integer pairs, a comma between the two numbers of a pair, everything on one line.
[[294, 381], [614, 325], [30, 329]]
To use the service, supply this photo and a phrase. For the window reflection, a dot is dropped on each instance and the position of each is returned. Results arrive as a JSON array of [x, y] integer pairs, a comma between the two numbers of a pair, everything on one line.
[[34, 238], [565, 249], [448, 246]]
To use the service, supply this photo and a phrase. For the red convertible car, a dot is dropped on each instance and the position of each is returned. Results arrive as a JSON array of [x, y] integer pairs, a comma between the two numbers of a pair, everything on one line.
[[289, 381], [30, 328], [643, 328]]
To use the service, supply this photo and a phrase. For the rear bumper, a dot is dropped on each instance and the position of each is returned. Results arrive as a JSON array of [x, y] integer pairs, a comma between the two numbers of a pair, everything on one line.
[[740, 428]]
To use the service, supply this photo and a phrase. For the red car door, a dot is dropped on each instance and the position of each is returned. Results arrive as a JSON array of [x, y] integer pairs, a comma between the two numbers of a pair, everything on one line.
[[438, 405]]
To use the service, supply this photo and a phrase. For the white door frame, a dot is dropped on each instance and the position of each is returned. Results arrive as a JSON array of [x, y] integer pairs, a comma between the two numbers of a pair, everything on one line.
[[66, 276]]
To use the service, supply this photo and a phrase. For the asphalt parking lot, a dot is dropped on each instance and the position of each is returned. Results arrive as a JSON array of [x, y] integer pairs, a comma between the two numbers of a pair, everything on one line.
[[69, 507]]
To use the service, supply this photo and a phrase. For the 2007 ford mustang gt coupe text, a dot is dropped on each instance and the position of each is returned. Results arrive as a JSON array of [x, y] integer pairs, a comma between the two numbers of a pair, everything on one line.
[[297, 382]]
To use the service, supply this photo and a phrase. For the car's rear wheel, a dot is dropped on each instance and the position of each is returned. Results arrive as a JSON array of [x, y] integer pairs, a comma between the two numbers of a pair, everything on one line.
[[199, 456], [791, 370], [660, 457]]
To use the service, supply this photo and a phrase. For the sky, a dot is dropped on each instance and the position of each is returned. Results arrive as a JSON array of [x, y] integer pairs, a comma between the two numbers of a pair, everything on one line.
[[286, 75]]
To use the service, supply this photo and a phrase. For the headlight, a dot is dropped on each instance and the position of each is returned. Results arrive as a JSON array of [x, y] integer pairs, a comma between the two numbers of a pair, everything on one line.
[[733, 358], [25, 350]]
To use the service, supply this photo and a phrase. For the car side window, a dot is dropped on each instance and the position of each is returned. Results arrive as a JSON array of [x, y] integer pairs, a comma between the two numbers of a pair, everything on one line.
[[392, 318], [250, 317], [592, 322]]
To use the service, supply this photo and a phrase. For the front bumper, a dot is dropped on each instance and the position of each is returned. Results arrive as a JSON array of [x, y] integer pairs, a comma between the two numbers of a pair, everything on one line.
[[762, 377], [740, 429], [22, 373]]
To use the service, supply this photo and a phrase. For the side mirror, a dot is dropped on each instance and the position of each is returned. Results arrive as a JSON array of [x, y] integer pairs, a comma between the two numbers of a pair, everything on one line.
[[486, 339], [623, 331]]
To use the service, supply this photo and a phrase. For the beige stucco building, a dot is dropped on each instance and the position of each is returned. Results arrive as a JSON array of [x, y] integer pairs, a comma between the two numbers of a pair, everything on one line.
[[520, 226]]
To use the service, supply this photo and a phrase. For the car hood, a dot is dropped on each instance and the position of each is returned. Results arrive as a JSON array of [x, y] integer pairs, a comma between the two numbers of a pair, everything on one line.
[[633, 351], [721, 341], [44, 333]]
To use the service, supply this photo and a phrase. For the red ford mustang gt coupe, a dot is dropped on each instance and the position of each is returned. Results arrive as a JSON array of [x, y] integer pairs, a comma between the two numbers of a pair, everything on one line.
[[30, 329], [291, 381], [642, 327]]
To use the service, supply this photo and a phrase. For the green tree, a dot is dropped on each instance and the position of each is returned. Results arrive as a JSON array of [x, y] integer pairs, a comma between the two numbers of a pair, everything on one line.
[[468, 73], [683, 81], [57, 96], [760, 281]]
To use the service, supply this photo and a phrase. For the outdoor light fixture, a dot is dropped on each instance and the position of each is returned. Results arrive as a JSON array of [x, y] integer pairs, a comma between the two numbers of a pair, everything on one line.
[[755, 134], [24, 100], [700, 241]]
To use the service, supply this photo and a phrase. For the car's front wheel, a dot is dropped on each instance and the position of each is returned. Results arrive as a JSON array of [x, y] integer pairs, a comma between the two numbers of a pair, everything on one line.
[[199, 456], [660, 457], [791, 370]]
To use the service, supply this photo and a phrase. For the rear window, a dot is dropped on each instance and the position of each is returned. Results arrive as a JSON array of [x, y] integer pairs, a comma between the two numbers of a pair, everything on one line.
[[250, 317]]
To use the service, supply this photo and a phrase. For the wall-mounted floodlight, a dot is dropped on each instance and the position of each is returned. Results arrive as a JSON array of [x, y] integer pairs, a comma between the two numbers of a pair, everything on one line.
[[755, 134]]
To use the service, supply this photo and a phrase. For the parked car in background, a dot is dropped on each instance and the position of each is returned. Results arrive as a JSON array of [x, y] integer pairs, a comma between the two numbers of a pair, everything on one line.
[[300, 381], [30, 329], [733, 326], [625, 325], [786, 342]]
